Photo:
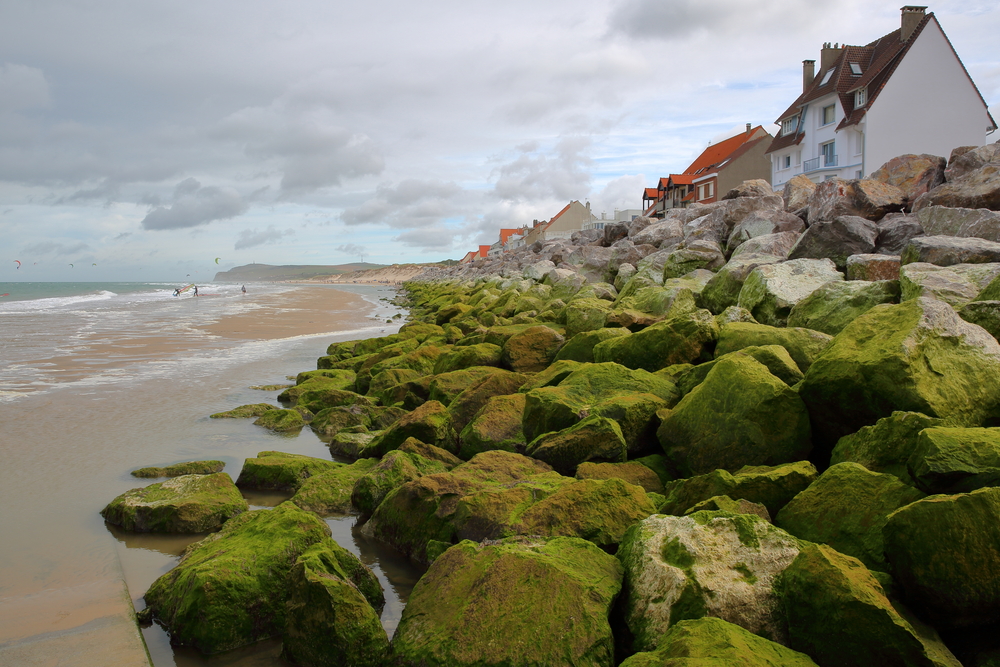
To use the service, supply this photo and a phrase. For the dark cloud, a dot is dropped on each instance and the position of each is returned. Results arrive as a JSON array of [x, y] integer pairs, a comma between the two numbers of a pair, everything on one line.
[[413, 203], [22, 87], [561, 174], [194, 205], [250, 238]]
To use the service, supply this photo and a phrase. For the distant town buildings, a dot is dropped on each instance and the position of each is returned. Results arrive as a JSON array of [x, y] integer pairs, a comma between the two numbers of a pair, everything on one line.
[[906, 92]]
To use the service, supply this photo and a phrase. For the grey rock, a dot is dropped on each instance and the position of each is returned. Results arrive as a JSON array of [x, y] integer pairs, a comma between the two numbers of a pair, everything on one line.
[[771, 290], [586, 236], [614, 231], [950, 250], [945, 221], [762, 223], [756, 187], [967, 159], [976, 189], [700, 254], [797, 192], [779, 244], [913, 174], [658, 233], [723, 290], [836, 239], [863, 198], [955, 285], [894, 231]]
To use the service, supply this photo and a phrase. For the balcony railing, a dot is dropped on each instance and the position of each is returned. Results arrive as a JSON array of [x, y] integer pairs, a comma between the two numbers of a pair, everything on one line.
[[819, 163]]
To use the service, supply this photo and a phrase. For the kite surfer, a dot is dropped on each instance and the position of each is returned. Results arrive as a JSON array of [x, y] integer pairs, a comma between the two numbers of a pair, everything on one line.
[[177, 291]]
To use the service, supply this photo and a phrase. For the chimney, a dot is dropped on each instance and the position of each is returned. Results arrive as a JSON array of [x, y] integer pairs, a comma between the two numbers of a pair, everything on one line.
[[911, 16], [748, 128], [828, 56], [808, 73]]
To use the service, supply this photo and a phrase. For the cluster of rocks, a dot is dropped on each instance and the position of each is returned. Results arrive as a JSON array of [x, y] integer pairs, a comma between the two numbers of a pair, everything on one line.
[[759, 432]]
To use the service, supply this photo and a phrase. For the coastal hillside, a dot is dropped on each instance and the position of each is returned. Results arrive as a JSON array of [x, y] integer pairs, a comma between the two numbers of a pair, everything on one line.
[[757, 432], [265, 272], [396, 273]]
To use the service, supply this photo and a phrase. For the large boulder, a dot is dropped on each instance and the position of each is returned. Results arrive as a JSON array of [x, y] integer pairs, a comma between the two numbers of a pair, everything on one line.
[[956, 285], [465, 406], [394, 469], [430, 423], [707, 564], [872, 267], [183, 504], [803, 345], [985, 314], [713, 642], [740, 415], [586, 315], [838, 614], [480, 604], [885, 446], [966, 222], [913, 174], [532, 350], [915, 356], [668, 232], [846, 508], [723, 290], [696, 254], [775, 357], [770, 291], [497, 425], [280, 471], [779, 244], [977, 189], [966, 159], [834, 305], [683, 339], [797, 192], [770, 486], [581, 346], [633, 472], [754, 187], [329, 492], [332, 613], [281, 421], [466, 356], [592, 439], [945, 554], [836, 239], [955, 460], [895, 231], [230, 589], [864, 198], [764, 223], [950, 250]]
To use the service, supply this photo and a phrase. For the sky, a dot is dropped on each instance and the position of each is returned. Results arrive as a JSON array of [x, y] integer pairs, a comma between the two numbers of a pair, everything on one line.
[[150, 138]]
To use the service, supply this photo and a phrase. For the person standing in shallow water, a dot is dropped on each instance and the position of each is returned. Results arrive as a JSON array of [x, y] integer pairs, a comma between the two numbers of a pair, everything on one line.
[[244, 289], [196, 290]]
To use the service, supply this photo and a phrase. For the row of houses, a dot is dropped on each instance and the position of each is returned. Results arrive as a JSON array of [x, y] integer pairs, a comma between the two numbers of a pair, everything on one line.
[[906, 92]]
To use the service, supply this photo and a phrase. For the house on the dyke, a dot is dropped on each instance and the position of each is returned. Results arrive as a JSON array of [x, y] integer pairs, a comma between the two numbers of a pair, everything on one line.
[[720, 167], [620, 215], [906, 92]]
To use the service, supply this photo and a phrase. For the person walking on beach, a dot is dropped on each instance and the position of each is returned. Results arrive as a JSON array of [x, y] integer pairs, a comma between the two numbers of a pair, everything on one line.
[[244, 289], [196, 290]]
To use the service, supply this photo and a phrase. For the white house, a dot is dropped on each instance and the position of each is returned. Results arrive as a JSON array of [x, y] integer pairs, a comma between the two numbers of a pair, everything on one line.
[[906, 92]]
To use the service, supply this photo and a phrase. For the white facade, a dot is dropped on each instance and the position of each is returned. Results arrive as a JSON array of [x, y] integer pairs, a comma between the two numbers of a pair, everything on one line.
[[823, 153], [929, 105], [620, 215]]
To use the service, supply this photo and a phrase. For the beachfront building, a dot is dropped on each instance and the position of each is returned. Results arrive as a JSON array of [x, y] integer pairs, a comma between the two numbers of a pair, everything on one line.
[[906, 92], [720, 167], [620, 215]]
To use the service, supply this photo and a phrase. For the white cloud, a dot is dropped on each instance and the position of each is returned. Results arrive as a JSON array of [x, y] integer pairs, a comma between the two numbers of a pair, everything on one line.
[[194, 205], [250, 238]]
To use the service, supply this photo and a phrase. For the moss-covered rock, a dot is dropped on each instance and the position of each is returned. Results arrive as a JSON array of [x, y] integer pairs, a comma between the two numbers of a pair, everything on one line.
[[581, 346], [531, 350], [887, 445], [846, 508], [315, 381], [281, 420], [713, 642], [945, 554], [632, 472], [771, 290], [465, 406], [395, 469], [184, 504], [803, 345], [445, 387], [316, 400], [331, 421], [955, 460], [279, 471], [523, 601], [770, 486], [774, 357], [586, 315], [483, 354], [185, 468], [834, 305], [332, 612], [838, 614], [916, 356], [245, 411], [723, 290], [740, 415], [429, 423], [983, 313], [350, 443], [230, 589], [727, 504], [592, 439], [707, 564], [330, 491], [688, 338], [497, 425]]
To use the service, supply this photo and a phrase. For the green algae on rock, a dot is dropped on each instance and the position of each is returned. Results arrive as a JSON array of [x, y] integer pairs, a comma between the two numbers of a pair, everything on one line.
[[846, 508], [330, 491], [803, 345], [706, 564], [497, 425], [280, 471], [688, 338], [581, 346], [184, 504], [592, 439], [727, 504], [916, 356], [885, 446], [770, 486], [945, 554], [332, 612], [281, 420], [713, 642], [532, 350], [230, 589], [520, 601], [836, 304], [838, 614], [740, 415], [483, 354], [177, 469], [464, 407], [632, 472], [430, 423], [394, 469], [955, 460], [245, 411]]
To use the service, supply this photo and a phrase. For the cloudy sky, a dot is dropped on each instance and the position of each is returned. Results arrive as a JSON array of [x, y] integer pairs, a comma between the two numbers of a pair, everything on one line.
[[152, 137]]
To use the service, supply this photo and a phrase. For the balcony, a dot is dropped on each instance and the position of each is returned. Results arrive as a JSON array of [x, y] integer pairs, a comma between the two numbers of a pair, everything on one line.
[[820, 162]]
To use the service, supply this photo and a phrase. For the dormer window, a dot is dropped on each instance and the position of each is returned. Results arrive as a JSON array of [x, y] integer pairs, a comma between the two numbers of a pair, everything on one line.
[[827, 76], [860, 97], [789, 125], [855, 69]]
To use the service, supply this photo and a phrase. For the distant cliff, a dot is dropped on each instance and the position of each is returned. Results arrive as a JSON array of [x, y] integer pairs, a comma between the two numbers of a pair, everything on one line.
[[265, 272]]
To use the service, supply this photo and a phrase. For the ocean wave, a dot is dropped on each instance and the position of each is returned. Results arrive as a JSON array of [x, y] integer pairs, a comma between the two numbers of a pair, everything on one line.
[[55, 302]]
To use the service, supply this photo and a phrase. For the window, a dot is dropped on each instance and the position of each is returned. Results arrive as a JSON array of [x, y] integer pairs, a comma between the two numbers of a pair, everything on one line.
[[827, 76], [827, 150], [789, 125], [860, 97], [829, 114], [855, 69], [704, 191], [786, 162]]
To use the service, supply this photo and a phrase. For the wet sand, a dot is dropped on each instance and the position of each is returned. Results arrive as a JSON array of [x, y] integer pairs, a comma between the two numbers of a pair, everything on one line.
[[68, 449]]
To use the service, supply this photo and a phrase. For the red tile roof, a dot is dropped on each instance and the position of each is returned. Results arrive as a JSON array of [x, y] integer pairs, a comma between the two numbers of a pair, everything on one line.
[[651, 193], [682, 179]]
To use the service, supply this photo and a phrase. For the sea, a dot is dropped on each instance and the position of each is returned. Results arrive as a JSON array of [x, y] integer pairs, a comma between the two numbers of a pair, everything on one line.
[[98, 379]]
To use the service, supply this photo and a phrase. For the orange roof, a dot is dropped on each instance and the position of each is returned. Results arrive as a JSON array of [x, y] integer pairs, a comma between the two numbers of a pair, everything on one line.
[[484, 250], [717, 153], [689, 197], [682, 179], [506, 234], [650, 193]]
